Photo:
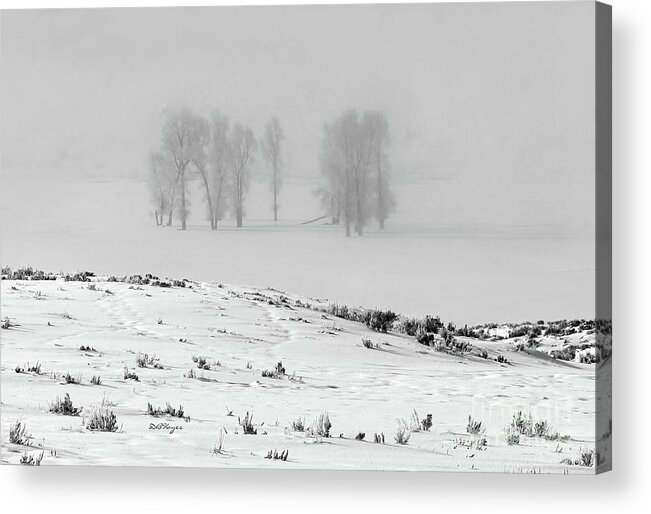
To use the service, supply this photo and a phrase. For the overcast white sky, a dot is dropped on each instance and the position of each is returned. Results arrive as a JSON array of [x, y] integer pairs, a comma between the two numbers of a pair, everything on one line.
[[495, 100]]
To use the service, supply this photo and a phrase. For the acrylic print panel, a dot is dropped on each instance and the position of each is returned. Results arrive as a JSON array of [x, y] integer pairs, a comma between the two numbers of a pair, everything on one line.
[[343, 237]]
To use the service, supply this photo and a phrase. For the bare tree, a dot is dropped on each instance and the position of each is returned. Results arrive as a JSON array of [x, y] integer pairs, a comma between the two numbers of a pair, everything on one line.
[[220, 157], [377, 129], [354, 163], [344, 162], [273, 137], [183, 140], [243, 147], [199, 159], [162, 186], [332, 168]]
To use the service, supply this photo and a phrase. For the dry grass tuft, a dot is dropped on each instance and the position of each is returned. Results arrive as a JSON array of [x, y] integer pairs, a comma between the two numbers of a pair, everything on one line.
[[18, 434], [101, 419], [64, 407]]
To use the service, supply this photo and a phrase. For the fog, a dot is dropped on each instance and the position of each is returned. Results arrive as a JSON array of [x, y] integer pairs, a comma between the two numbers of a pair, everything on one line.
[[490, 107]]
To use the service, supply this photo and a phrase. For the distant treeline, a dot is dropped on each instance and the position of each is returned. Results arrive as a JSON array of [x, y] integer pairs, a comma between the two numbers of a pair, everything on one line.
[[354, 165]]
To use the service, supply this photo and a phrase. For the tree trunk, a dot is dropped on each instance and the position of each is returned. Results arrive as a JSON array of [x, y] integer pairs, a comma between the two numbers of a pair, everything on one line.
[[209, 200], [238, 202], [157, 222], [275, 166], [347, 207], [169, 217], [359, 220], [215, 213], [184, 213], [380, 198], [275, 202]]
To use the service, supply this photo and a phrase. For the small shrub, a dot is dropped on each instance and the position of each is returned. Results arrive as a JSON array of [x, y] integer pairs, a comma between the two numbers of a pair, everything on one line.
[[96, 380], [247, 424], [153, 412], [128, 375], [522, 424], [298, 425], [218, 448], [473, 427], [30, 460], [360, 436], [321, 426], [201, 362], [64, 407], [541, 428], [402, 434], [36, 369], [426, 423], [83, 348], [369, 344], [586, 459], [380, 321], [414, 326], [102, 420], [69, 379], [414, 424], [26, 273], [501, 359], [278, 372], [512, 436], [18, 434], [277, 456], [144, 360], [555, 436], [378, 438], [190, 374], [409, 326], [169, 411]]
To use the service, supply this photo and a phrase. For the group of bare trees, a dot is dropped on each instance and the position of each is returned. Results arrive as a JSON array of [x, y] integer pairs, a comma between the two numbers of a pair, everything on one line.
[[217, 154], [355, 168], [354, 164]]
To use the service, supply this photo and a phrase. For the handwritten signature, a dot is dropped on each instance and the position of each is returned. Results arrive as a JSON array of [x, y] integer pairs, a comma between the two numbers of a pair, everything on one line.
[[165, 426]]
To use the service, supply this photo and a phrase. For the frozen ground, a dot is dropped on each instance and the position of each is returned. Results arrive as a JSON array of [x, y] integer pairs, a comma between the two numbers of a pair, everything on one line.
[[363, 390]]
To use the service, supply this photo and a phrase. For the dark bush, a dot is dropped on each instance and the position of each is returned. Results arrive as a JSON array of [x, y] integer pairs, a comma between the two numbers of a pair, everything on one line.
[[102, 420], [128, 375], [277, 373], [30, 460], [64, 407], [277, 456], [426, 422], [473, 427], [247, 424], [380, 321]]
